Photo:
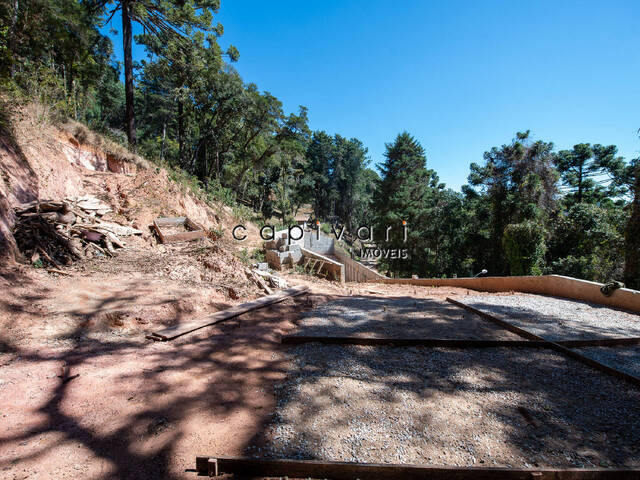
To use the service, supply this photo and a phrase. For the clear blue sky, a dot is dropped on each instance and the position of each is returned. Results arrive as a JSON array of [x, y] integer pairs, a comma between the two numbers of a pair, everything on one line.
[[459, 76]]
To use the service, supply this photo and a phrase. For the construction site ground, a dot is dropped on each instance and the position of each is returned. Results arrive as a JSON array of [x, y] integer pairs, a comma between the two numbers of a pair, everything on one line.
[[85, 395]]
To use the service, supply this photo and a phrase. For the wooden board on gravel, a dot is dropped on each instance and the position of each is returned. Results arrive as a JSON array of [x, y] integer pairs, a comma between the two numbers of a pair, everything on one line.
[[294, 468], [451, 342], [553, 345], [183, 328]]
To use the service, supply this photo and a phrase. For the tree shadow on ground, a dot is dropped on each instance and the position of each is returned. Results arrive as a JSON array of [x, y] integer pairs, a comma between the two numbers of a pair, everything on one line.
[[511, 407], [115, 405], [397, 317]]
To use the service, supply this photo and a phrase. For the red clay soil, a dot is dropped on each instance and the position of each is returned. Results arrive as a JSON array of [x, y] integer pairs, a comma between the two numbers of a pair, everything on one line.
[[115, 405]]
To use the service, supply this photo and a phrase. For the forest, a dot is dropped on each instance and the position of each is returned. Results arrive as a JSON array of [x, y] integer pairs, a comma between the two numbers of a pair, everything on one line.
[[527, 209]]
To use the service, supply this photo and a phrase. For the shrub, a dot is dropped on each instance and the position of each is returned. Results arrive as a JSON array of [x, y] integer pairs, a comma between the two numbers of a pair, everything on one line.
[[524, 248]]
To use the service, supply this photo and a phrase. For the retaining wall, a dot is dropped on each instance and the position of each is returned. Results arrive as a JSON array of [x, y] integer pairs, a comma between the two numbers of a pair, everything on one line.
[[556, 285], [355, 271], [323, 245]]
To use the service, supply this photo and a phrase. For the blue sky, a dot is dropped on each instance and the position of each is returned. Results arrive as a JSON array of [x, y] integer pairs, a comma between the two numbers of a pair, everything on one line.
[[459, 76]]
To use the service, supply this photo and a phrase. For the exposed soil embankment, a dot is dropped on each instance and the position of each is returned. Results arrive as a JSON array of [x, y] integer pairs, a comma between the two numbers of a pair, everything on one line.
[[40, 161]]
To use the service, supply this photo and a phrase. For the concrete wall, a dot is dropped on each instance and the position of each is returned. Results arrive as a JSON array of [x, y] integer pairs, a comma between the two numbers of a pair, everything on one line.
[[323, 245], [555, 285], [281, 237], [336, 268], [355, 271]]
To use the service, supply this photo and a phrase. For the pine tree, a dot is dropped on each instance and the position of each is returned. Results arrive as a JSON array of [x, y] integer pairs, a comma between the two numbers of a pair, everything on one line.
[[588, 172], [405, 193], [165, 22], [319, 163], [518, 184], [349, 162]]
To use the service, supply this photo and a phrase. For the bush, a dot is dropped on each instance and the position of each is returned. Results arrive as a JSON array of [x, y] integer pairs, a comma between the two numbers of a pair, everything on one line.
[[524, 248], [587, 242]]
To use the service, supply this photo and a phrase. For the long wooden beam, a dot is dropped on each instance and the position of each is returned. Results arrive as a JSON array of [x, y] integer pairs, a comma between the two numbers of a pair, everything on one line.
[[602, 342], [553, 345], [183, 328], [409, 342], [314, 469], [451, 342]]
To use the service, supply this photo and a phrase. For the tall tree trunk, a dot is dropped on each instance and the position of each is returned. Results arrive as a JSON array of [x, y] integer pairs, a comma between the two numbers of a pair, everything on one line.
[[12, 47], [632, 238], [130, 123], [181, 132], [580, 181], [164, 136]]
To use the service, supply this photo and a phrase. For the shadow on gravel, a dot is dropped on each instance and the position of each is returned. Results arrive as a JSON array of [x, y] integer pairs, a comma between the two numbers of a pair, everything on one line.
[[398, 317], [482, 407]]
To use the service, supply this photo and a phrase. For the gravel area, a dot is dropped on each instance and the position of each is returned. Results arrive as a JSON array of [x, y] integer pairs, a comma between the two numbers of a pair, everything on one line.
[[559, 319], [398, 317], [451, 407], [626, 359]]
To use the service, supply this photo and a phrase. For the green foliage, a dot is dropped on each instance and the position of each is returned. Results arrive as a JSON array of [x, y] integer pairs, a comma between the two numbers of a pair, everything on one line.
[[524, 248], [55, 53], [247, 258], [587, 241], [243, 212], [337, 181], [258, 255], [526, 209], [244, 256], [407, 192], [632, 230], [589, 173], [517, 183], [325, 228], [216, 233]]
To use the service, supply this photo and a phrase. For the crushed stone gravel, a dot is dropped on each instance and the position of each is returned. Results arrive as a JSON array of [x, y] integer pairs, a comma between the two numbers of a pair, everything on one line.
[[557, 318], [451, 407], [459, 407], [398, 317], [626, 359]]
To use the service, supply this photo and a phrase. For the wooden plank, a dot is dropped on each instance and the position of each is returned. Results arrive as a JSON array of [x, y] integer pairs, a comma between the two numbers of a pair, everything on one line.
[[410, 342], [183, 328], [195, 230], [601, 342], [183, 237], [553, 345], [191, 225], [170, 221], [451, 342], [158, 230], [315, 469]]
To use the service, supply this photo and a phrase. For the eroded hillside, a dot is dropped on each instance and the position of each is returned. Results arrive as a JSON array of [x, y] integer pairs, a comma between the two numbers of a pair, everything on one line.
[[145, 284]]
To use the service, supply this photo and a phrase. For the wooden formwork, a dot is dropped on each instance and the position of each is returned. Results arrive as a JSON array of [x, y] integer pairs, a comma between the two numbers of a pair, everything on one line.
[[192, 231], [180, 329], [553, 345], [313, 469], [453, 342]]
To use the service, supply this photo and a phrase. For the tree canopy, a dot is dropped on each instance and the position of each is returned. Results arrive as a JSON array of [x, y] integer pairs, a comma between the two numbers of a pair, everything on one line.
[[527, 209]]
